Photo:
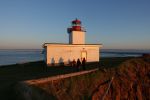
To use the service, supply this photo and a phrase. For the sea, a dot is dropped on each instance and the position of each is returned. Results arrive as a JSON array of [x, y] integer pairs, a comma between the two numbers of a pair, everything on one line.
[[8, 57]]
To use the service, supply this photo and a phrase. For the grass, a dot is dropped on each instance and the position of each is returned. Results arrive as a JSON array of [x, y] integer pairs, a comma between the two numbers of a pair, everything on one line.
[[88, 86], [11, 74], [69, 88], [113, 61]]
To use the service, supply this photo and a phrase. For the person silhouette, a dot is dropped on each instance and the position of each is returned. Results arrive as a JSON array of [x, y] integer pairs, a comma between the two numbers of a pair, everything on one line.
[[73, 63], [83, 63], [78, 64]]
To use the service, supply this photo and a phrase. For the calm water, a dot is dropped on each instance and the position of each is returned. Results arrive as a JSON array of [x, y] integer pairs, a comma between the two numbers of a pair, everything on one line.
[[8, 57], [122, 53]]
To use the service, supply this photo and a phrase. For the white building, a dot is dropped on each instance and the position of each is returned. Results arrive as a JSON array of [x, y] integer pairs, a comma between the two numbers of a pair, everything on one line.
[[60, 53]]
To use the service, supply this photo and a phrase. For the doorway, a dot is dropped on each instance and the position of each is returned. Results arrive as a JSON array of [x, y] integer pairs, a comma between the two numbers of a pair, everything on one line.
[[83, 55]]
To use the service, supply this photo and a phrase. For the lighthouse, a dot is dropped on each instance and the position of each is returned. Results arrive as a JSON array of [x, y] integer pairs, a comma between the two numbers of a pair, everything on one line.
[[76, 33], [64, 53]]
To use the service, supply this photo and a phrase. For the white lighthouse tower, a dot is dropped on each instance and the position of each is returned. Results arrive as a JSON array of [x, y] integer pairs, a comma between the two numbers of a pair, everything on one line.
[[76, 33]]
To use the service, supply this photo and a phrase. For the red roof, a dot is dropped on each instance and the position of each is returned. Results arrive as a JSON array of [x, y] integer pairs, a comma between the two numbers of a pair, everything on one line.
[[76, 21]]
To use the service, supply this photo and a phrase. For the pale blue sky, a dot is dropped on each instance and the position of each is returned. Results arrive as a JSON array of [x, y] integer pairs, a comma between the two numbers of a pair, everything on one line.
[[117, 24]]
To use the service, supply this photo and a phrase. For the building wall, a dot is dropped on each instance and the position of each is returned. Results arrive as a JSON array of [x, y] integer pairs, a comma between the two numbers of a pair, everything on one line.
[[77, 37], [66, 53], [70, 38], [45, 54]]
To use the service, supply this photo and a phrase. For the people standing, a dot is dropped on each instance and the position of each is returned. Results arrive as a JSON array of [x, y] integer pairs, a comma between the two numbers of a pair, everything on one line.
[[78, 64], [73, 63], [83, 63]]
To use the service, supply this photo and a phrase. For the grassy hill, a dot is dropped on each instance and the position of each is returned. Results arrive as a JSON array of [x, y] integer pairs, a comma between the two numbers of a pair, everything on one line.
[[130, 80], [89, 86]]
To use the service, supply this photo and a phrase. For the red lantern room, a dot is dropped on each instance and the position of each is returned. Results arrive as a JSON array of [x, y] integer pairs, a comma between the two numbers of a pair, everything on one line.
[[76, 21], [76, 26]]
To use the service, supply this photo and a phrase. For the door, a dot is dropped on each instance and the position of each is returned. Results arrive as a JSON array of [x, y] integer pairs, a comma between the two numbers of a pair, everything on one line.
[[84, 55]]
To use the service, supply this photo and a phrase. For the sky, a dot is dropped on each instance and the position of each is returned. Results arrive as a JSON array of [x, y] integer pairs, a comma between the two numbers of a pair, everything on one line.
[[117, 24]]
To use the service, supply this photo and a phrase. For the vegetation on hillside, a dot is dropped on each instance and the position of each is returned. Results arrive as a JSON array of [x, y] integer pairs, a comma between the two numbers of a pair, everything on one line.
[[128, 80]]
